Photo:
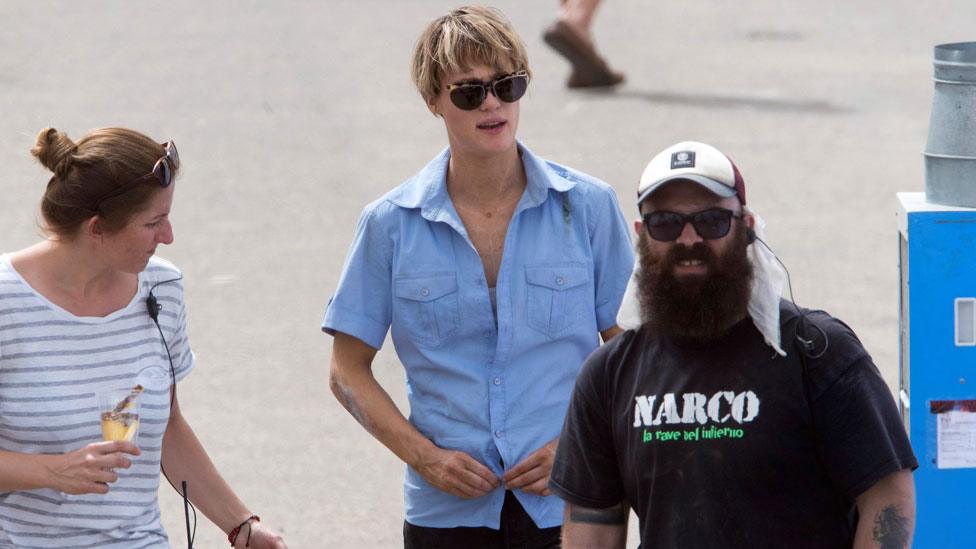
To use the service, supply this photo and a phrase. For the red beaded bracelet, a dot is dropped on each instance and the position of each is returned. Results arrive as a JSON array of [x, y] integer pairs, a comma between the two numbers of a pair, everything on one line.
[[232, 536]]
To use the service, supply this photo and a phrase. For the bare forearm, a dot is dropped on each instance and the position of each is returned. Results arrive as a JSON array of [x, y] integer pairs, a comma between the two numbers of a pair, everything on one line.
[[585, 528], [184, 458], [23, 471], [359, 393], [611, 332], [887, 514], [352, 382]]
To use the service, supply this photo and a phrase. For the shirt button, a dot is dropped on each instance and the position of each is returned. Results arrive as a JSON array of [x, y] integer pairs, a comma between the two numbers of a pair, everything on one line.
[[498, 434], [559, 281], [424, 292], [498, 381]]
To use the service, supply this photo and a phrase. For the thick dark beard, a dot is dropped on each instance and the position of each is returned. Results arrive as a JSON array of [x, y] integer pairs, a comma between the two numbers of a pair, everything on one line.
[[695, 309]]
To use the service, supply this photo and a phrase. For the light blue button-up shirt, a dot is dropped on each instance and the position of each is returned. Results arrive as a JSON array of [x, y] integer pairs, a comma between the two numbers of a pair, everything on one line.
[[497, 392]]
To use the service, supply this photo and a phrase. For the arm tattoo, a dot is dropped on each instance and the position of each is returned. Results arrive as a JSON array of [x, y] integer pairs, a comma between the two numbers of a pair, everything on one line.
[[611, 516], [891, 528], [348, 401]]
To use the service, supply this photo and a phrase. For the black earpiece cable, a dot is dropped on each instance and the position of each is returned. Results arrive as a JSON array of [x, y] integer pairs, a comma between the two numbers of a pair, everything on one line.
[[153, 306], [805, 348]]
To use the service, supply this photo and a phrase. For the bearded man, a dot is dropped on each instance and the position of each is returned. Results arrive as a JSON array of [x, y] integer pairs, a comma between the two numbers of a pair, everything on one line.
[[728, 417]]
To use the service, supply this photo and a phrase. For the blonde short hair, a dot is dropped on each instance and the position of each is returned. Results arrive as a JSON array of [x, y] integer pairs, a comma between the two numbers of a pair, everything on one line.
[[465, 37]]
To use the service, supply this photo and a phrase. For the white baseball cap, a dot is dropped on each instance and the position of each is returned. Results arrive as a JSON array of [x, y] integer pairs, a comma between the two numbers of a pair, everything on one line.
[[696, 162]]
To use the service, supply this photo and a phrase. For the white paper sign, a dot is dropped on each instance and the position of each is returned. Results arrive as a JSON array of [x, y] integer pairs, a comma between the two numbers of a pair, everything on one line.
[[956, 439]]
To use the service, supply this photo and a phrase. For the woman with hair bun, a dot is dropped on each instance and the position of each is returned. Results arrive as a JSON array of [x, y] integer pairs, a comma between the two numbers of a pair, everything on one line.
[[87, 313]]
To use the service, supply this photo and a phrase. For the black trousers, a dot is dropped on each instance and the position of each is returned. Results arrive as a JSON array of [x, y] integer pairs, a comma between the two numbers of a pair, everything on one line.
[[517, 531]]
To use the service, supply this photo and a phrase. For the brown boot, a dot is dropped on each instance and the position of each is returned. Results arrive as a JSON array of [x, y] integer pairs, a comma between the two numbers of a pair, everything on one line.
[[607, 78], [589, 69]]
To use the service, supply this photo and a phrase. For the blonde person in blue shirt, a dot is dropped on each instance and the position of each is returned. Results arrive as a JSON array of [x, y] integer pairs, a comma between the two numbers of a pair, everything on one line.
[[535, 254]]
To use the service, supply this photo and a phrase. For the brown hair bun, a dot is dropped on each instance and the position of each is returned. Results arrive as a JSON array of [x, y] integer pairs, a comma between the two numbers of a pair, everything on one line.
[[54, 150]]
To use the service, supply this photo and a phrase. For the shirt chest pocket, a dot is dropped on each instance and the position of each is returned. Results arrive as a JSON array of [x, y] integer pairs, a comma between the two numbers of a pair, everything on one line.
[[558, 297], [427, 307]]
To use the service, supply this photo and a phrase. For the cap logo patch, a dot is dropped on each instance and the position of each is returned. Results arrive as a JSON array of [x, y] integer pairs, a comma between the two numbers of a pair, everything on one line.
[[682, 159]]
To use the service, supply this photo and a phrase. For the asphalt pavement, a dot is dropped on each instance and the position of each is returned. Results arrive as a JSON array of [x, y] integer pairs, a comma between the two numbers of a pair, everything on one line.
[[290, 116]]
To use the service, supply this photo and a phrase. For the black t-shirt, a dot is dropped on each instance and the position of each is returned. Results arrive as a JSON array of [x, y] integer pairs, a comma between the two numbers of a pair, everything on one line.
[[730, 444]]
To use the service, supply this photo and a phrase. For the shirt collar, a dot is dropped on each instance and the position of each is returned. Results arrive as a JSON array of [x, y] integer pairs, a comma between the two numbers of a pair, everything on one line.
[[428, 189]]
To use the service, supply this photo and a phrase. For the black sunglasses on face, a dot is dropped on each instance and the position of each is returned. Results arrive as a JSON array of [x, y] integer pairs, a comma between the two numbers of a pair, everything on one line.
[[470, 95], [162, 171], [710, 224]]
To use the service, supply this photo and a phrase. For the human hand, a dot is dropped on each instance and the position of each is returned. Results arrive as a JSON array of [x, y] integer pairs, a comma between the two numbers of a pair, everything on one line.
[[261, 538], [456, 473], [532, 474], [89, 470]]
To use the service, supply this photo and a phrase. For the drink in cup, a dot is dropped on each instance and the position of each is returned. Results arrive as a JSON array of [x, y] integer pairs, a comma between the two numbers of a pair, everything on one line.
[[119, 413]]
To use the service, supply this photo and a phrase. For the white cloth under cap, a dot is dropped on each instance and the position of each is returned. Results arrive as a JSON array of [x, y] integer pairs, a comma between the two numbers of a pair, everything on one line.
[[767, 287]]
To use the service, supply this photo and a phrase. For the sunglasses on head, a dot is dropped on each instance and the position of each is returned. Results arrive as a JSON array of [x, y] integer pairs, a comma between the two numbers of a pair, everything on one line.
[[468, 96], [665, 226], [162, 172]]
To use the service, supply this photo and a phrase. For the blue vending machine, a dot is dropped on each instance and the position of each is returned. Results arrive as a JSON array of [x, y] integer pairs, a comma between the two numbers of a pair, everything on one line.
[[937, 379]]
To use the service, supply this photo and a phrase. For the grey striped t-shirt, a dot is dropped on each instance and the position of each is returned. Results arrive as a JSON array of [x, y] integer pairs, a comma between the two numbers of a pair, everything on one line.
[[53, 365]]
